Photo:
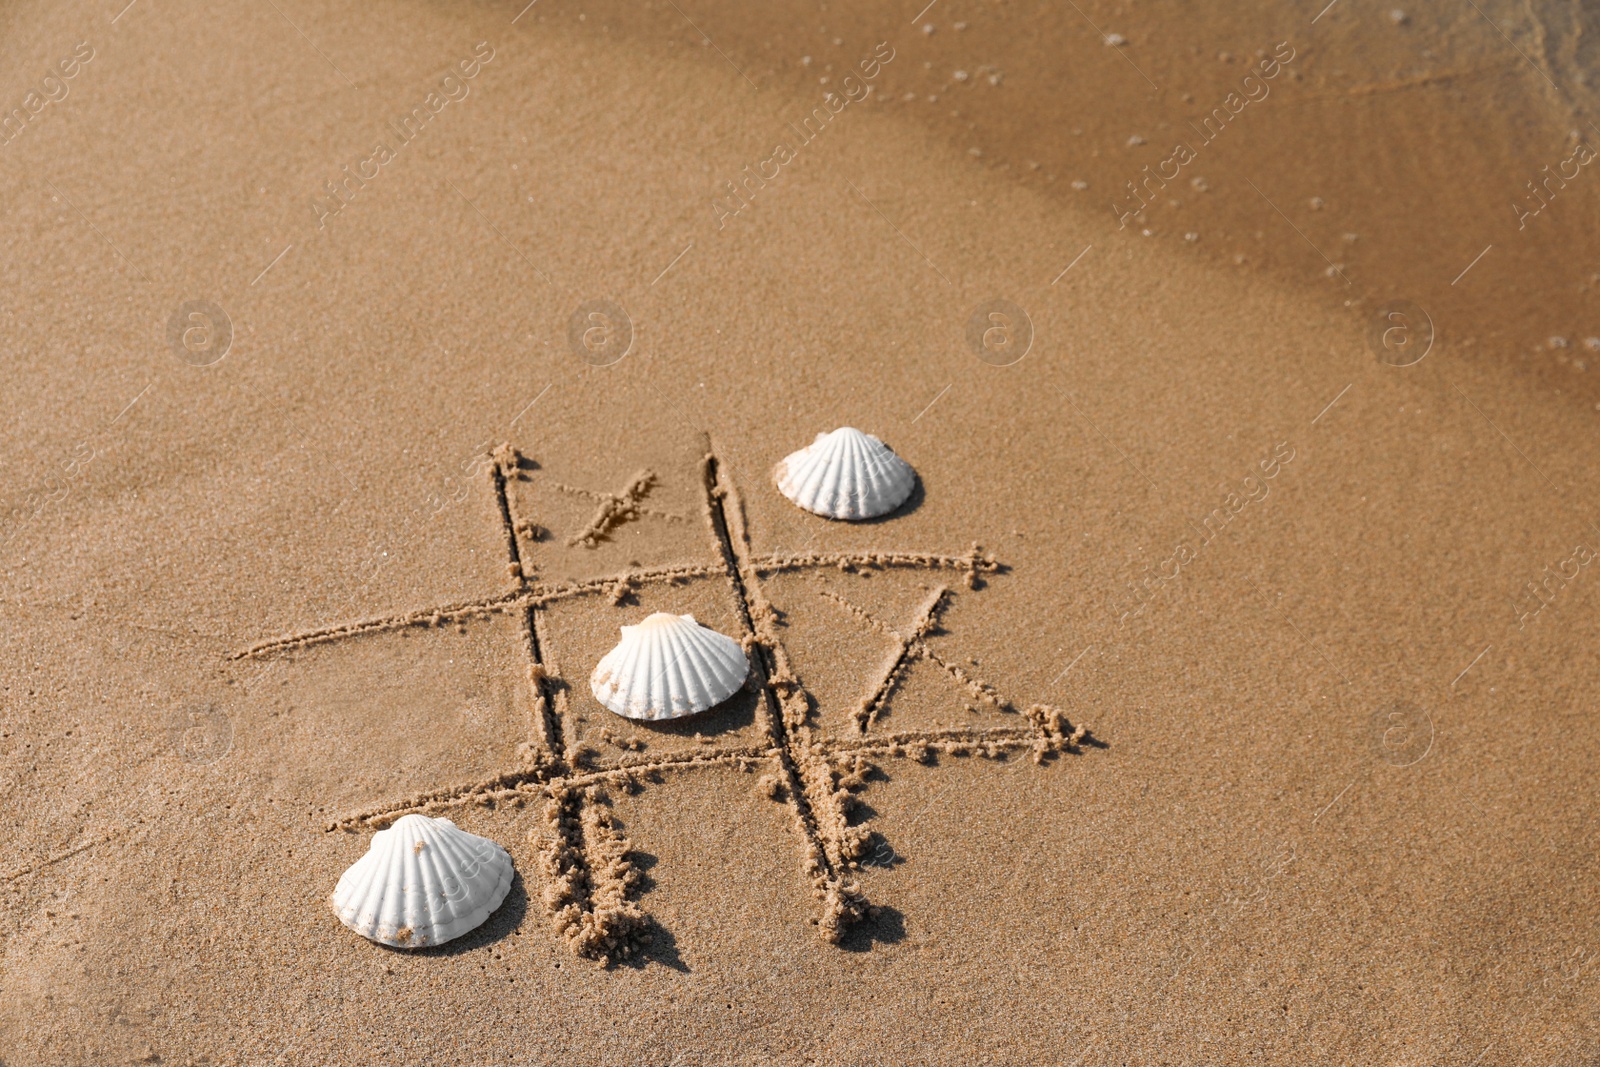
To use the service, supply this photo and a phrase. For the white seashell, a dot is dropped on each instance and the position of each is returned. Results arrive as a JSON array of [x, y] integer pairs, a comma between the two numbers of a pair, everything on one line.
[[422, 882], [846, 474], [667, 667]]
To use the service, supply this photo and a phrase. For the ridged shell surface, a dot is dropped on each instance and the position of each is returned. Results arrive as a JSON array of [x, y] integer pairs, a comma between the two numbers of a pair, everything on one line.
[[422, 882], [846, 474], [667, 667]]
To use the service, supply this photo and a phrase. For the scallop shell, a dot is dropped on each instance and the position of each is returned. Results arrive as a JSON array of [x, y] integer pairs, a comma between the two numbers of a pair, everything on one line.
[[846, 474], [668, 666], [422, 882]]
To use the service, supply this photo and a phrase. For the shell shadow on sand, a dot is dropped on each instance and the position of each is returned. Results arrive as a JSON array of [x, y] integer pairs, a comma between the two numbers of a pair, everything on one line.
[[736, 713]]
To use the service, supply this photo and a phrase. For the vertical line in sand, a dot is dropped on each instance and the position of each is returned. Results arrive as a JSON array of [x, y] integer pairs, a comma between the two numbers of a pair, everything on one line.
[[603, 887], [736, 563], [503, 498], [548, 701], [732, 543]]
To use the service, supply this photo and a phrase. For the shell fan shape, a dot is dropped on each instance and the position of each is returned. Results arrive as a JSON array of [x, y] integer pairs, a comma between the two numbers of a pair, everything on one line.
[[846, 474], [668, 666], [422, 882]]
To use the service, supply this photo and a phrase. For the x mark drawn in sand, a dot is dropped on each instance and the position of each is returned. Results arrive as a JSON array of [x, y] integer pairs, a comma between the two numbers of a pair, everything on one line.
[[616, 508], [591, 885]]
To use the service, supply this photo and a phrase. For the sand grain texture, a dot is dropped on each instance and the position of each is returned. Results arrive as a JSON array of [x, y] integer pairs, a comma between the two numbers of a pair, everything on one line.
[[1222, 693]]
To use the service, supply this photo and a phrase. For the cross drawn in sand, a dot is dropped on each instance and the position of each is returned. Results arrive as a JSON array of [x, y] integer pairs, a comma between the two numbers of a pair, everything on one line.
[[591, 885], [615, 508]]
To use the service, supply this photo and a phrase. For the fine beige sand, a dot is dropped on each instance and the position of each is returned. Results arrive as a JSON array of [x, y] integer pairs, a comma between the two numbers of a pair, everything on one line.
[[1223, 694]]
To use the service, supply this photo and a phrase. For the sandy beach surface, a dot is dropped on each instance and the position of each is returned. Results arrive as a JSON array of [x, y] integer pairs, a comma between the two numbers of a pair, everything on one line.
[[1224, 693]]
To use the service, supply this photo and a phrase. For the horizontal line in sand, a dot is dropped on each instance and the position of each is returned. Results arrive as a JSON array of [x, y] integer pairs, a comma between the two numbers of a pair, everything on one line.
[[532, 783], [539, 595]]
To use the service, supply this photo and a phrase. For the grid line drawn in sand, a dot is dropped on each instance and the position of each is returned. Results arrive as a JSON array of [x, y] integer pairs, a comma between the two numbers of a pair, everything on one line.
[[591, 886]]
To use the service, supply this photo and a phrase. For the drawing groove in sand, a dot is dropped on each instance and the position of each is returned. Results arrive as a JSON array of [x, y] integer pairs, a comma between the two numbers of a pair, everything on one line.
[[592, 886], [908, 650], [616, 508], [809, 785]]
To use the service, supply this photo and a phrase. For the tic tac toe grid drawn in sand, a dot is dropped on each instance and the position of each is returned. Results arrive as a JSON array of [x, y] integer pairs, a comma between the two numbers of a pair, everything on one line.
[[591, 887]]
